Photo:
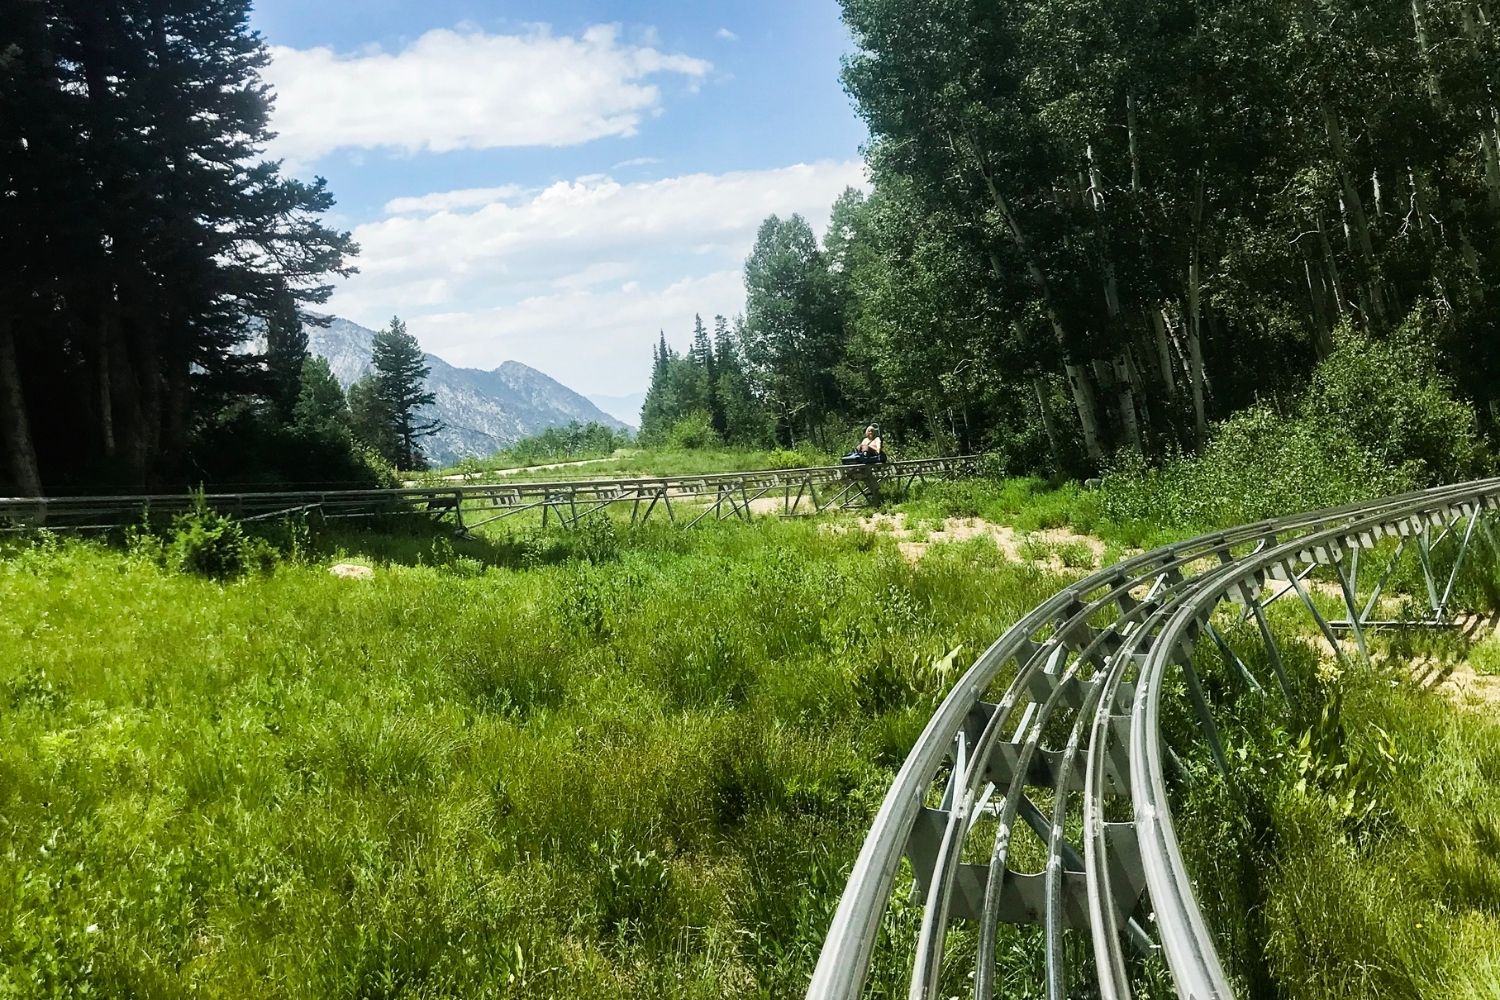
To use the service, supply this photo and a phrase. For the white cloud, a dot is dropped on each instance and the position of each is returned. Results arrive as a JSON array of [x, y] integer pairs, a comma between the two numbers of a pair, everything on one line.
[[638, 161], [593, 340], [572, 277], [450, 201], [725, 35], [464, 89]]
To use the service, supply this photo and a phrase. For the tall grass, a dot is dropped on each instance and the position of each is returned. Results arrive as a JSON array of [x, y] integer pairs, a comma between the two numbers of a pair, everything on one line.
[[640, 775], [638, 762]]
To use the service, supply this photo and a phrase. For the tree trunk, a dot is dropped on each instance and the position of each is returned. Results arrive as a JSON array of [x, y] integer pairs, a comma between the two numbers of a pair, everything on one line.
[[1333, 267], [1163, 352], [1078, 382], [1488, 140], [1195, 349], [1125, 388], [102, 388], [1356, 209], [1426, 52], [129, 417], [15, 428], [1135, 156], [1317, 294], [1049, 425]]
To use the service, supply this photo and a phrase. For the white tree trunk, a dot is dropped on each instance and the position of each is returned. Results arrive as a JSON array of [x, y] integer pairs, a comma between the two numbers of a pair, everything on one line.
[[1195, 350], [1049, 425], [1163, 352], [1078, 381], [1355, 206]]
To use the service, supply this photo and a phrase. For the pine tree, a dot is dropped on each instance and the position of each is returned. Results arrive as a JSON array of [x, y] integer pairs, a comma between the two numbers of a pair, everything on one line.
[[401, 372], [372, 422], [321, 410], [143, 238]]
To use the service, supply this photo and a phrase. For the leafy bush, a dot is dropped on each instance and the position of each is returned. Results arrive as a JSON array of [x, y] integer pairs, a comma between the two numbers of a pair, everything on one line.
[[1258, 465], [696, 430], [208, 543], [802, 457], [1389, 397], [598, 541], [1377, 419]]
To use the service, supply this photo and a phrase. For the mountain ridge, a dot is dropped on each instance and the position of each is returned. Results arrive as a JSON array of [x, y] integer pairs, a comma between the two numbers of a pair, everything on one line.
[[482, 411]]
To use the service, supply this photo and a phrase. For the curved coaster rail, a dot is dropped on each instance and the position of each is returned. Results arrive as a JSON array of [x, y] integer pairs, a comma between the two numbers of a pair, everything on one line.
[[720, 495], [1092, 661]]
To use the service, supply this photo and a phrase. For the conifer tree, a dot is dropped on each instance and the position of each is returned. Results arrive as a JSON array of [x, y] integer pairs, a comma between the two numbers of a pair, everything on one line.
[[143, 237], [321, 410], [401, 372]]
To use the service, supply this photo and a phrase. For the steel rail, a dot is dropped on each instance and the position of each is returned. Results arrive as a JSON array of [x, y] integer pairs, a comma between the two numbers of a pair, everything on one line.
[[1068, 661], [723, 494]]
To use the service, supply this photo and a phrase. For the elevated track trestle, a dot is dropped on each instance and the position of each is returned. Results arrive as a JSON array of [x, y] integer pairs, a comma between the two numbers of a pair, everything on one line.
[[679, 499], [1093, 661]]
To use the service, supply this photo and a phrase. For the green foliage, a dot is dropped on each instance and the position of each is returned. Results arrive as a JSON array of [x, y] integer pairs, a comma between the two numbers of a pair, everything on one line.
[[571, 443], [1376, 420], [140, 207], [1259, 464], [693, 431], [389, 412], [1390, 397], [207, 543], [321, 412], [709, 380], [1484, 656], [402, 780]]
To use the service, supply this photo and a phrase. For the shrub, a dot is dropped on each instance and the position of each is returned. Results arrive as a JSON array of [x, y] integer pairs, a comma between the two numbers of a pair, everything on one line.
[[598, 541], [1390, 399], [696, 430], [207, 543], [1377, 419], [1258, 465]]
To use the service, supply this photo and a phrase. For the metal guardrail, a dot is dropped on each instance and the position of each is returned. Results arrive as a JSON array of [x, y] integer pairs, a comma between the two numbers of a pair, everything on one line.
[[718, 495], [1093, 659]]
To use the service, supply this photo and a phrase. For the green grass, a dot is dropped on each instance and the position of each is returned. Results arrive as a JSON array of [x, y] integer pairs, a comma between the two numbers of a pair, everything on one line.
[[672, 462], [642, 776], [631, 762], [1030, 504], [1351, 851]]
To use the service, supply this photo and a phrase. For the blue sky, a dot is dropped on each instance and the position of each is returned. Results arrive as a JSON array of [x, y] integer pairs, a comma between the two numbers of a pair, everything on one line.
[[554, 182]]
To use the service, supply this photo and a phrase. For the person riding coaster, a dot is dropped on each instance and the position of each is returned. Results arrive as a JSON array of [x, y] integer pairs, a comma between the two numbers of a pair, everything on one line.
[[869, 451]]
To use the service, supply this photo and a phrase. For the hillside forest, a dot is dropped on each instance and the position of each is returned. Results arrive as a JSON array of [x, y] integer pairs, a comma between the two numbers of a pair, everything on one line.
[[1092, 232]]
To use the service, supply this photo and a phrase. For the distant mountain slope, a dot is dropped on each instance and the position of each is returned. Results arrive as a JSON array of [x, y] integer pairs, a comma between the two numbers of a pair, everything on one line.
[[484, 411], [626, 407]]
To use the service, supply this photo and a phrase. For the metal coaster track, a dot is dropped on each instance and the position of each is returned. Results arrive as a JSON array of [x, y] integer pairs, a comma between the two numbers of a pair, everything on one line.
[[720, 495], [1094, 658]]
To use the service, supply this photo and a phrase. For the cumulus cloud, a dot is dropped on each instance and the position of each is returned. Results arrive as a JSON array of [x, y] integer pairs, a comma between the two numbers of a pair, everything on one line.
[[465, 89], [449, 201], [569, 278], [593, 339], [725, 35]]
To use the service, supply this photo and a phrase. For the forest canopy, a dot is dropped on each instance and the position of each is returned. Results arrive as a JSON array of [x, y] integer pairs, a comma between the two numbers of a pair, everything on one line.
[[1100, 228]]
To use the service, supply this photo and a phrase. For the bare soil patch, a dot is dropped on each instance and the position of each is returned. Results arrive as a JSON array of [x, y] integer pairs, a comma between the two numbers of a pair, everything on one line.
[[1040, 548], [1458, 680]]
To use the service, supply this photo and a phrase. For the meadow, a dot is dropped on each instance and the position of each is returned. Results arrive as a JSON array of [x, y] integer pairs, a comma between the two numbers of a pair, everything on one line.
[[637, 766], [631, 762]]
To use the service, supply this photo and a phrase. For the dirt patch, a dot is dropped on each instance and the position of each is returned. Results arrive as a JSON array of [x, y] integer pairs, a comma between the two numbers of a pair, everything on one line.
[[1461, 683], [1458, 680], [1058, 549]]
